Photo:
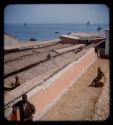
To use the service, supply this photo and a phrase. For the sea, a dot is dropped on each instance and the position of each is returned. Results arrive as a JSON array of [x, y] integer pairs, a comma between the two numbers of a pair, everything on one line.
[[43, 32]]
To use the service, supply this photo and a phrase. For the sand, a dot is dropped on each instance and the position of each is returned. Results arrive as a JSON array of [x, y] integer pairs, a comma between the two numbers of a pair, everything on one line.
[[81, 101]]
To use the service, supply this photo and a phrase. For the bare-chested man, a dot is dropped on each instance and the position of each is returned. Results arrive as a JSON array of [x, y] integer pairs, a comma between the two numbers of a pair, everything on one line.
[[96, 82]]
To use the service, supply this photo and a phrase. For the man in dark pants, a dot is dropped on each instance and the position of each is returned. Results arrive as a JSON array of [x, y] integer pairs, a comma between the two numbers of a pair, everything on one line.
[[98, 78], [25, 107]]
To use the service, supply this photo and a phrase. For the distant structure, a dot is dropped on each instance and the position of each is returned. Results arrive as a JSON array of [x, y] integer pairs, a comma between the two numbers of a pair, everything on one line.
[[103, 45]]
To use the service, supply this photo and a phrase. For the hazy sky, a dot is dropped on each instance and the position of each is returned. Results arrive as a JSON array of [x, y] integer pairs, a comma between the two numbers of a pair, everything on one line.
[[57, 13]]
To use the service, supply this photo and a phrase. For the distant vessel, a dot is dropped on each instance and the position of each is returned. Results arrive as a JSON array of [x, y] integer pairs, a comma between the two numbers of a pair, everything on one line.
[[25, 24], [33, 39], [99, 28], [88, 23], [56, 32], [68, 33]]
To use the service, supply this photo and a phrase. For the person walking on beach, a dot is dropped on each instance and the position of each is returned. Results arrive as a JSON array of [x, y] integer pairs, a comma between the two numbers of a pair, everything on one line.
[[26, 109]]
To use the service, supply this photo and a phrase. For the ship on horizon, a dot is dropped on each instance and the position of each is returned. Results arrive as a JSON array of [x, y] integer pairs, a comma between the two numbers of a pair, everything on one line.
[[88, 23], [25, 24]]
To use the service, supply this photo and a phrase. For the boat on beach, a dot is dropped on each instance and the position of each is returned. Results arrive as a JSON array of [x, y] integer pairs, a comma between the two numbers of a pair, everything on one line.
[[99, 28]]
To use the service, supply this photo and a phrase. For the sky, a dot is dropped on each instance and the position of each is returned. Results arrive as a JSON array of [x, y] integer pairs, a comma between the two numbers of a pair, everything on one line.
[[57, 13]]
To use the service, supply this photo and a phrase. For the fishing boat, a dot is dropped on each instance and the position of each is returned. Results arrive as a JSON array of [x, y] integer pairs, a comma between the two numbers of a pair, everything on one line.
[[25, 24], [99, 28], [56, 32], [88, 23]]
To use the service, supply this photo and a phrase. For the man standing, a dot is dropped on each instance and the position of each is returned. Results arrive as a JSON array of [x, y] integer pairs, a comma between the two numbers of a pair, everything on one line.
[[26, 109]]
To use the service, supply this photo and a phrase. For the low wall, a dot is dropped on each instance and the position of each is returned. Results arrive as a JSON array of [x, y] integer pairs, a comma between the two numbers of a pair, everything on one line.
[[47, 94]]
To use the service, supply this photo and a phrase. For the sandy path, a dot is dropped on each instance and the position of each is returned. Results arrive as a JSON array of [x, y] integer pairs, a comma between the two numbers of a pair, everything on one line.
[[78, 103]]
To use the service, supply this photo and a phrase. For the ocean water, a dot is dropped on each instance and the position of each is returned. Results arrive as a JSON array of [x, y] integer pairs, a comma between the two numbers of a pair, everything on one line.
[[48, 31]]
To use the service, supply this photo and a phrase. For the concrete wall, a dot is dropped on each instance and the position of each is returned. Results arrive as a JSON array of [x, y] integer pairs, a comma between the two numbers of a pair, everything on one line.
[[45, 96]]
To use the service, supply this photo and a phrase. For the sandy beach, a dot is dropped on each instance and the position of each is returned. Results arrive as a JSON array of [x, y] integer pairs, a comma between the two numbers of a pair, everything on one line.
[[82, 102]]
